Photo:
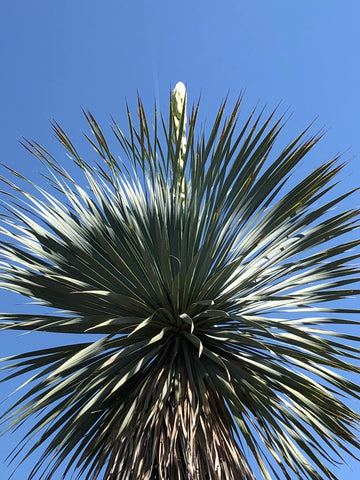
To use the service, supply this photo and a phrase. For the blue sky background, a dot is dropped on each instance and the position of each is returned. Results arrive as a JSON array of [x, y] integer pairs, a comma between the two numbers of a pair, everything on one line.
[[56, 57]]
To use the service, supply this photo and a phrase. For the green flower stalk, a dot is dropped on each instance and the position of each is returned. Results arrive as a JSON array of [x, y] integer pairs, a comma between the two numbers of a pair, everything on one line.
[[218, 298], [178, 105]]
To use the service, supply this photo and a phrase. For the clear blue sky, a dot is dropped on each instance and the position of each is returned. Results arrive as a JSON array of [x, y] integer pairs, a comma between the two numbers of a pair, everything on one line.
[[56, 56]]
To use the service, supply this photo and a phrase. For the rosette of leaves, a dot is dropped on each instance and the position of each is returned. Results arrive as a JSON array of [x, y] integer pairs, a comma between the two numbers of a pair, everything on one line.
[[212, 288]]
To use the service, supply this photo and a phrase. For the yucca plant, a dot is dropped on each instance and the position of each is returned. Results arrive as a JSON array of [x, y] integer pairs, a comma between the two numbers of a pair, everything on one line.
[[211, 283]]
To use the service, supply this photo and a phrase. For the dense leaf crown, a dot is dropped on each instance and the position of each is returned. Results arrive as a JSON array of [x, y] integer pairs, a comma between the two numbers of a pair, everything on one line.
[[211, 284]]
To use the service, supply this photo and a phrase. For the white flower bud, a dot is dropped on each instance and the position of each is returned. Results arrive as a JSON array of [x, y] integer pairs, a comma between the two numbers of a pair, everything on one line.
[[179, 100]]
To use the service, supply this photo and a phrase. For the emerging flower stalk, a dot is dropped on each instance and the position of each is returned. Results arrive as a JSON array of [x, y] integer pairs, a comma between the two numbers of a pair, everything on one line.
[[178, 105]]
